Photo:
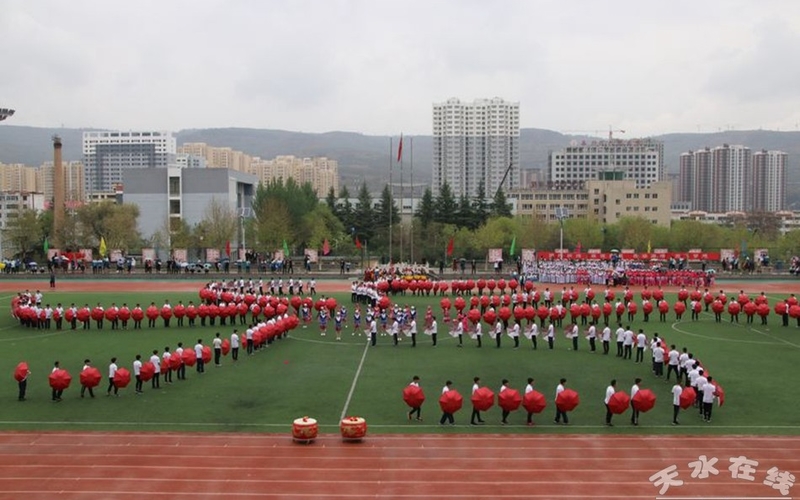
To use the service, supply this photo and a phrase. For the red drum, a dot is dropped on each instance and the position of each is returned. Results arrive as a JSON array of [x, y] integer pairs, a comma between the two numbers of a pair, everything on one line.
[[353, 428], [304, 430]]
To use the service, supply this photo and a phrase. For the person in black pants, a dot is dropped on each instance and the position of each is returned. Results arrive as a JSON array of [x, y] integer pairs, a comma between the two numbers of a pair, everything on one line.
[[198, 351], [506, 413], [476, 419], [112, 370], [56, 395], [23, 386], [561, 414], [610, 390], [447, 417], [137, 367], [416, 409]]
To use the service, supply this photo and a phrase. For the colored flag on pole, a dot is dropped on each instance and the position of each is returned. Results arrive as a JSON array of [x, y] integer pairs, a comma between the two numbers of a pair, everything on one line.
[[285, 249], [513, 246], [450, 247], [228, 248], [326, 247], [648, 246], [358, 243], [400, 149], [743, 249], [103, 249], [46, 246], [578, 247]]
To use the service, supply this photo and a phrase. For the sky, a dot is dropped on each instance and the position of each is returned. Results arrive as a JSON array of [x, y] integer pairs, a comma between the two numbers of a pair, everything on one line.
[[376, 67]]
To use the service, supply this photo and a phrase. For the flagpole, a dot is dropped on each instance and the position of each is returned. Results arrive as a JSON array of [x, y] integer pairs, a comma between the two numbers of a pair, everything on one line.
[[400, 154], [411, 202], [391, 194]]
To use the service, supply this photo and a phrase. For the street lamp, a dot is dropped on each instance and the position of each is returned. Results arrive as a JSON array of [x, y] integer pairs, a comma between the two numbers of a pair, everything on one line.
[[561, 214], [5, 113]]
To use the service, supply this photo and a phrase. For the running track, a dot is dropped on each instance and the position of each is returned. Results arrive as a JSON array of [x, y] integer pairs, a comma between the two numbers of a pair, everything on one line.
[[240, 466], [244, 466]]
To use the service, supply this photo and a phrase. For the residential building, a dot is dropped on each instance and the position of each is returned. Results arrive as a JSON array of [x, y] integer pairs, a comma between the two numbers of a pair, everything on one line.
[[107, 154], [186, 160], [322, 173], [17, 177], [731, 178], [11, 204], [218, 157], [73, 181], [476, 143], [641, 160]]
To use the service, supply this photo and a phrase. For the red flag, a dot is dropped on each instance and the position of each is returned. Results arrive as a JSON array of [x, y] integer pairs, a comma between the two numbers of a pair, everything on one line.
[[326, 247], [578, 247], [450, 247], [400, 149], [228, 248], [358, 243]]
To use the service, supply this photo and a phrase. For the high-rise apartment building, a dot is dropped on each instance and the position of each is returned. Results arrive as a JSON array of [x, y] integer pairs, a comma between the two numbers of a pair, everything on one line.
[[476, 142], [769, 180], [107, 154], [17, 177], [73, 182], [730, 178], [640, 160]]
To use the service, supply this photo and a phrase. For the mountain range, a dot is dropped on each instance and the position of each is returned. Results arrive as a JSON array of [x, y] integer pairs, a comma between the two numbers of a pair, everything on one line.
[[368, 157]]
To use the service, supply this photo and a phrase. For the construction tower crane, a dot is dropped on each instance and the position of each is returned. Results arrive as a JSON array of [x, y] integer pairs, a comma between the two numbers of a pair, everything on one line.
[[611, 132]]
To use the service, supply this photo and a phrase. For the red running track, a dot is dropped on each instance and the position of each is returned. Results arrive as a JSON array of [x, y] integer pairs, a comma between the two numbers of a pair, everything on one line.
[[241, 466]]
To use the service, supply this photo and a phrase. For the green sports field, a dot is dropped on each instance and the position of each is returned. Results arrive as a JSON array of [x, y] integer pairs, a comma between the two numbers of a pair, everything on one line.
[[307, 374]]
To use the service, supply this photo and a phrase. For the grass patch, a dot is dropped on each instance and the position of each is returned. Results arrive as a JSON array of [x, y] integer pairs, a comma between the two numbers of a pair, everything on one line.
[[306, 374]]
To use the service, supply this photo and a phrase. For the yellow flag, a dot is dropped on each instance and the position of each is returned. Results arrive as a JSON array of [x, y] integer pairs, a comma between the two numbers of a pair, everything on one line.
[[648, 246], [103, 248]]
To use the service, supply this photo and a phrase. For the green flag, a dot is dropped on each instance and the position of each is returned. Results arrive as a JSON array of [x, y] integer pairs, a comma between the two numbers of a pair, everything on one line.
[[513, 245], [46, 246], [285, 249]]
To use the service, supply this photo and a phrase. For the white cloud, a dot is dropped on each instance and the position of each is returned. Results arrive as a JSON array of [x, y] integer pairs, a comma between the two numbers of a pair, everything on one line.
[[377, 66]]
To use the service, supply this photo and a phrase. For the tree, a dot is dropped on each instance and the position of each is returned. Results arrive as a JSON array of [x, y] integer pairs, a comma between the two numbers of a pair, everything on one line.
[[386, 206], [463, 216], [425, 211], [500, 207], [273, 224], [23, 234], [330, 200], [445, 205], [363, 215], [345, 208], [480, 209], [219, 224]]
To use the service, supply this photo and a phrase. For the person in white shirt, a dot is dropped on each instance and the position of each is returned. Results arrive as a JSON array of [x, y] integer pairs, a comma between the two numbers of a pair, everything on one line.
[[395, 330], [373, 331], [591, 334], [634, 411], [506, 413], [86, 365], [498, 332], [198, 352], [550, 334], [620, 340], [532, 332], [673, 362], [446, 417], [235, 345], [182, 367], [112, 370], [216, 342], [514, 334], [155, 382], [168, 372], [658, 360], [434, 329], [683, 361], [561, 414], [701, 382], [606, 339], [476, 419], [709, 392], [641, 343], [573, 332], [529, 388], [610, 390], [412, 330], [478, 335], [415, 409], [677, 390], [627, 344], [137, 373], [249, 336]]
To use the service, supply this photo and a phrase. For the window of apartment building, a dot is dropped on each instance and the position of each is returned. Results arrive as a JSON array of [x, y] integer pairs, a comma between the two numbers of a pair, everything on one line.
[[174, 186], [628, 195], [174, 207], [617, 201], [647, 195], [655, 195]]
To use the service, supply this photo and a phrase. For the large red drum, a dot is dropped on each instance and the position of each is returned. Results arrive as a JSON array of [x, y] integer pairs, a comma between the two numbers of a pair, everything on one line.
[[353, 428], [304, 430]]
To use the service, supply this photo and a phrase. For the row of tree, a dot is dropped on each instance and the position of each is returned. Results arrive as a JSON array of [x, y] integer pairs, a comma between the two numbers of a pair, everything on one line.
[[292, 213]]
